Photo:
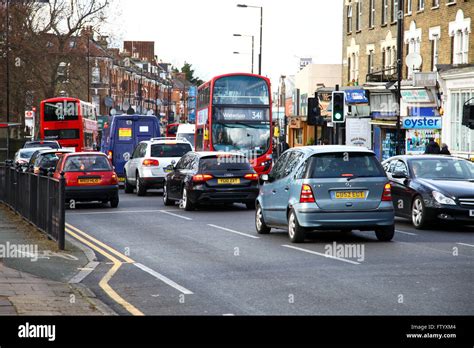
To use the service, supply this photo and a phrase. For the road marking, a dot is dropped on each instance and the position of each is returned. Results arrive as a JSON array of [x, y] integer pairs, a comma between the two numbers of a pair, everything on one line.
[[118, 212], [164, 279], [71, 230], [316, 253], [232, 231], [104, 282], [98, 242], [175, 215], [408, 233], [470, 245]]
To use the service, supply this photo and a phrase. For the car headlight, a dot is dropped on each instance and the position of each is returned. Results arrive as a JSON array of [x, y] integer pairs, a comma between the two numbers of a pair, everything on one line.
[[440, 198]]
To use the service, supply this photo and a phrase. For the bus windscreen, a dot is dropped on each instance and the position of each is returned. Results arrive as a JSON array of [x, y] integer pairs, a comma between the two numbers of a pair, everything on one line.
[[61, 111]]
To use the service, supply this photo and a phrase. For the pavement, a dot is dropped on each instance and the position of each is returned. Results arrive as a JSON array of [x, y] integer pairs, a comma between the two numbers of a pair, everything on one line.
[[38, 279], [212, 262]]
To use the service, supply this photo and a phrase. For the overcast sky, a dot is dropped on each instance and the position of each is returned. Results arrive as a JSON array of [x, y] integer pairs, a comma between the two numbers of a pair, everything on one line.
[[201, 32]]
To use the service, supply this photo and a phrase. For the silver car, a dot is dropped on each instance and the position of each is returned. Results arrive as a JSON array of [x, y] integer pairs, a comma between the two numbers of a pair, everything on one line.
[[326, 188]]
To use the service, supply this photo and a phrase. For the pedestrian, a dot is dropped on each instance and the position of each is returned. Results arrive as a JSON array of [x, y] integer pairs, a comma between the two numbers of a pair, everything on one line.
[[283, 146], [432, 148], [445, 150]]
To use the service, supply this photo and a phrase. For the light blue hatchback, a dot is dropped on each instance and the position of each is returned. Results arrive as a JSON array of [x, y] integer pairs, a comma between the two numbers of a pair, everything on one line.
[[326, 188]]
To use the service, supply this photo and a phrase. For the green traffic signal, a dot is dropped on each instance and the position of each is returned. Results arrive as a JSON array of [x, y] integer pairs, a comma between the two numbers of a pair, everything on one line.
[[338, 106]]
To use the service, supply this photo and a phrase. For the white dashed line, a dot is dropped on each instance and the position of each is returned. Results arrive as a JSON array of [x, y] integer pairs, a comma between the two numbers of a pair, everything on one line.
[[319, 254], [470, 245], [407, 233], [164, 279], [175, 215], [232, 231]]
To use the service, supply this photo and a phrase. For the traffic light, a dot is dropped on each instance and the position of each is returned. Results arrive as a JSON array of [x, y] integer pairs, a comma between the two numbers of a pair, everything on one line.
[[314, 112], [338, 106]]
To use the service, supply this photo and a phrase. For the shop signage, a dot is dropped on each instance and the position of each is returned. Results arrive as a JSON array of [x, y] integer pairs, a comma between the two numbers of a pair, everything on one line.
[[358, 132], [356, 96], [422, 122], [424, 79], [415, 96], [295, 123]]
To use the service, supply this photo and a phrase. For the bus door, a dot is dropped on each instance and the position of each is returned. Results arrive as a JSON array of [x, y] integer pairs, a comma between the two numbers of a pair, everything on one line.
[[123, 144], [145, 129]]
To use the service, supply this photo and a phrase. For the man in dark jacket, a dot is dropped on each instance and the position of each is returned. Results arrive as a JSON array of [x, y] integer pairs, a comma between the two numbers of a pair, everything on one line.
[[445, 150], [432, 147]]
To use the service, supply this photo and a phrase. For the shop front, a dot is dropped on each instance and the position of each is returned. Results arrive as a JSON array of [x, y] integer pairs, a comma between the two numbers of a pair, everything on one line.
[[383, 112], [419, 132]]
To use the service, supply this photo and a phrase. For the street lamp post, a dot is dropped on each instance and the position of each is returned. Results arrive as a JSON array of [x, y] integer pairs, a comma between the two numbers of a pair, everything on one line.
[[253, 44], [261, 34]]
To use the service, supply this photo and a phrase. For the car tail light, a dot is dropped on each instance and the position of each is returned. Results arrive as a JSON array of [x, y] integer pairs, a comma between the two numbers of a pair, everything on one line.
[[253, 177], [306, 194], [110, 155], [387, 193], [151, 163], [202, 177], [114, 179]]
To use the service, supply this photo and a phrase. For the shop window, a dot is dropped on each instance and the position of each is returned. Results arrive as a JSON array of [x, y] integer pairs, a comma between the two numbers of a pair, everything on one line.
[[462, 138]]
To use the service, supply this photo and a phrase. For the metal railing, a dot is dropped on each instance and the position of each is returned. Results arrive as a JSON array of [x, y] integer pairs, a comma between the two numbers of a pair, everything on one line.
[[38, 199]]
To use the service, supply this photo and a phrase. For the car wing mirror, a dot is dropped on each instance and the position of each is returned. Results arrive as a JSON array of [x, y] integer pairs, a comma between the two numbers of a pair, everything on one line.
[[399, 175]]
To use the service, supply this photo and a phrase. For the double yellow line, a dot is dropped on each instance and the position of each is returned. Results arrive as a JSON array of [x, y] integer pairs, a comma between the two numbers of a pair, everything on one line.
[[118, 261]]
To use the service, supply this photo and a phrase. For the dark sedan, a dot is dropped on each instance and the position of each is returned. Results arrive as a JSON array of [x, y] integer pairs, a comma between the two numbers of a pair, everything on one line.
[[430, 188], [43, 161], [211, 177]]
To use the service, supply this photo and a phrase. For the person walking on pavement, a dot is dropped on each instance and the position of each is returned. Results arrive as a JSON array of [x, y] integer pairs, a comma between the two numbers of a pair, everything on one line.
[[445, 150], [432, 148]]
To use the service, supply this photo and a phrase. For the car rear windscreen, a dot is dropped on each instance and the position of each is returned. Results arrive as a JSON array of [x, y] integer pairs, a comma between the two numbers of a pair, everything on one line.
[[88, 163], [228, 163], [344, 164], [38, 144], [170, 150]]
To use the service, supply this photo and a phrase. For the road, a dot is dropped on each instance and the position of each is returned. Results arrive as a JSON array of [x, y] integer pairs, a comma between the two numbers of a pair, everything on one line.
[[212, 262]]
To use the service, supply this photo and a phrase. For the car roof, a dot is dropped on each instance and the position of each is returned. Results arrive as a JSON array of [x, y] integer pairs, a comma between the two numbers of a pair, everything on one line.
[[311, 150], [167, 140], [425, 156], [34, 149], [85, 154], [42, 142], [186, 127], [45, 152], [204, 154]]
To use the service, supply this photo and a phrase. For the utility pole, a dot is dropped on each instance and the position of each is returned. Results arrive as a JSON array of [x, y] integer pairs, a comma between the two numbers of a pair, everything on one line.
[[400, 32], [89, 64], [261, 35]]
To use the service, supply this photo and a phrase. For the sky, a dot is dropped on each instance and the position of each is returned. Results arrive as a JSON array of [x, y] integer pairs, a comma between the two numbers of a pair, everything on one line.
[[200, 32]]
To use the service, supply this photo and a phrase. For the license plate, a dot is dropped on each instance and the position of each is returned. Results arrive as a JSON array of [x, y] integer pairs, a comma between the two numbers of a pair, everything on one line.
[[89, 181], [350, 195], [471, 213], [167, 170], [228, 181], [121, 179]]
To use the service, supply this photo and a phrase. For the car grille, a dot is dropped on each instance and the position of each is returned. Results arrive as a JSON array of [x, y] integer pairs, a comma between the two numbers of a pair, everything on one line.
[[467, 202]]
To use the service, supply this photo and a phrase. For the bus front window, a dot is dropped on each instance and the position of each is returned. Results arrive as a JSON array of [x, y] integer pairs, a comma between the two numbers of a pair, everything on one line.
[[253, 138]]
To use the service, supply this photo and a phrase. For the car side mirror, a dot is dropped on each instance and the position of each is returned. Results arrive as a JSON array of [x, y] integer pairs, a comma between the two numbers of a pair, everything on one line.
[[173, 163], [9, 163], [399, 175]]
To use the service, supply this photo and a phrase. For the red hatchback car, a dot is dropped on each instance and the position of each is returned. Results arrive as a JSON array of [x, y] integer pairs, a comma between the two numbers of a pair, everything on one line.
[[89, 177]]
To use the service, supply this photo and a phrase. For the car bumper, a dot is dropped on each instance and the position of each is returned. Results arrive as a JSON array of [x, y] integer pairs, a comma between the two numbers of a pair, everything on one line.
[[244, 195], [451, 213], [153, 182], [314, 218], [91, 193]]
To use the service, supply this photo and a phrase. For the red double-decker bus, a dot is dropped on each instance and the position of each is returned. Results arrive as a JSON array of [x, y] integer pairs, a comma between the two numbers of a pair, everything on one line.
[[70, 121], [234, 115]]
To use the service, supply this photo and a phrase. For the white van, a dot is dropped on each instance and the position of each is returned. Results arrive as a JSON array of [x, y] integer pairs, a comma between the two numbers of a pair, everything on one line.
[[186, 131]]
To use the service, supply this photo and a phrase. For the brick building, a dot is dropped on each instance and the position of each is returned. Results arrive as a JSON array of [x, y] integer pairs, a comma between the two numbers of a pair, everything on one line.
[[438, 30], [143, 50]]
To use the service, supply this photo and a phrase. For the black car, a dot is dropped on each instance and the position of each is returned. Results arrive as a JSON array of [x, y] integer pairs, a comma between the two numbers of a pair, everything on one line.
[[52, 144], [430, 188], [43, 161], [211, 177]]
